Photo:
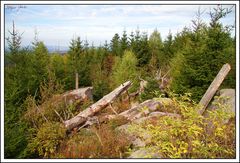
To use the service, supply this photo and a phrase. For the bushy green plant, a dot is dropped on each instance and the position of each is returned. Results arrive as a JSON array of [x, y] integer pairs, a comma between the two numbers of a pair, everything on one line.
[[125, 69], [151, 90], [47, 139], [101, 88]]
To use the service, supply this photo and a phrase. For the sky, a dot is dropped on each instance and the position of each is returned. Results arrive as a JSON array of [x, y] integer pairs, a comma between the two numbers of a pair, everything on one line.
[[58, 24]]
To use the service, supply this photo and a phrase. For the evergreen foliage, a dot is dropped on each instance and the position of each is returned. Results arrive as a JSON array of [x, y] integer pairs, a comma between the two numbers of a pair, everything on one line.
[[203, 51], [115, 45]]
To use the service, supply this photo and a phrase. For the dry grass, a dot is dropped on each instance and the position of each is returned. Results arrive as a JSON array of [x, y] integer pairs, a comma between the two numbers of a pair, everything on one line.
[[97, 142]]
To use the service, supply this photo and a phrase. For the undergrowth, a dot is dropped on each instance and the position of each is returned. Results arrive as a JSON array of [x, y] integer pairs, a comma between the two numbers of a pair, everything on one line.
[[192, 135], [96, 142]]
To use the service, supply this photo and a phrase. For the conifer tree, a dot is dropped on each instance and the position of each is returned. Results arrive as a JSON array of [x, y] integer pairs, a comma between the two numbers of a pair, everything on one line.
[[14, 42], [155, 46], [76, 49], [204, 50], [124, 42], [115, 45]]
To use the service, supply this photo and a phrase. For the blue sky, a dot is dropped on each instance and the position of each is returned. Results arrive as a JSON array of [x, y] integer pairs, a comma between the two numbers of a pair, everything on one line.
[[58, 24]]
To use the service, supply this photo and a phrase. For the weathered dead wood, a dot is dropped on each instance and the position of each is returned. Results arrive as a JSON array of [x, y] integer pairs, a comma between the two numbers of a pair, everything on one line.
[[56, 100], [134, 94], [143, 84], [78, 94], [162, 79], [90, 121], [213, 87], [143, 109], [76, 80], [110, 104], [146, 109], [96, 107], [128, 96]]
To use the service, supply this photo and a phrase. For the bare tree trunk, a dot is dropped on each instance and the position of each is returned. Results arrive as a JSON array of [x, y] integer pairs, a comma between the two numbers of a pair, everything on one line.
[[96, 107], [213, 87], [76, 80]]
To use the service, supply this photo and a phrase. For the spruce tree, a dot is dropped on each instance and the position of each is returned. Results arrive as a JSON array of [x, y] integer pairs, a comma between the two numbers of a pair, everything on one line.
[[115, 45], [14, 42], [155, 46], [124, 42], [76, 49]]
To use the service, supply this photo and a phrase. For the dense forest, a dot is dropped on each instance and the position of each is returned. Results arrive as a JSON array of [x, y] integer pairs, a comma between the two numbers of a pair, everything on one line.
[[180, 67]]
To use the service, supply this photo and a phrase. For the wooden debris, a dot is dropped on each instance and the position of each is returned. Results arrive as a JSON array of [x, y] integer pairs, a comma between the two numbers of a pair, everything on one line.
[[213, 87], [78, 94], [143, 109], [110, 104], [96, 107]]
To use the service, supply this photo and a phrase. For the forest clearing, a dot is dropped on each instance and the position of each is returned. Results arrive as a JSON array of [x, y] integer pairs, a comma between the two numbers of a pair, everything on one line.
[[138, 96]]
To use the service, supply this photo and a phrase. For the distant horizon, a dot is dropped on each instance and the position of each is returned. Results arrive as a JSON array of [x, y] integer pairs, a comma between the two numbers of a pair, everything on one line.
[[99, 23], [51, 48]]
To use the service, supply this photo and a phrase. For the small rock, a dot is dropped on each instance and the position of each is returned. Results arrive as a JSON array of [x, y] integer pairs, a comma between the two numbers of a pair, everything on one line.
[[229, 95], [226, 97], [138, 143], [137, 138], [145, 153]]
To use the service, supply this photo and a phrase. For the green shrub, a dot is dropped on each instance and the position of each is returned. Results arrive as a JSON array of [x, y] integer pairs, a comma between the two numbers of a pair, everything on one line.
[[125, 69], [151, 90], [100, 89], [47, 139]]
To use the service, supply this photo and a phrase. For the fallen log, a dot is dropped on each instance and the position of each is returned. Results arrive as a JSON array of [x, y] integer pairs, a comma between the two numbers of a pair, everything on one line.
[[142, 109], [145, 108], [96, 107], [213, 87]]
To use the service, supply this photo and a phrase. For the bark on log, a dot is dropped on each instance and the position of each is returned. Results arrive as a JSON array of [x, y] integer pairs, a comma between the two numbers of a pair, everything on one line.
[[134, 94], [143, 109], [213, 87], [136, 113], [96, 107]]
